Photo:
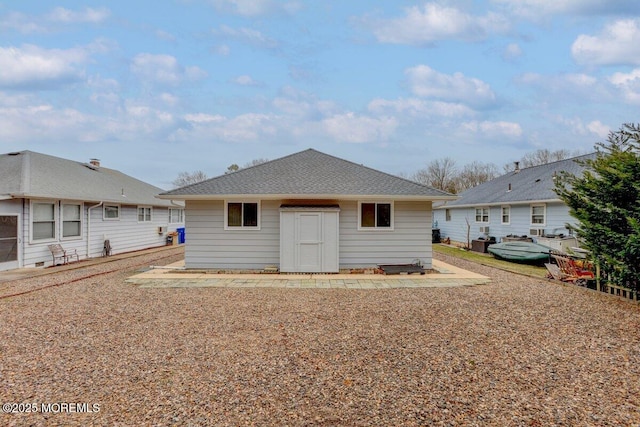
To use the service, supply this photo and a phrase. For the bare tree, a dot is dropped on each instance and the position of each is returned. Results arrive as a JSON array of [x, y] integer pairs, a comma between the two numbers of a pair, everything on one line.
[[475, 173], [255, 162], [439, 174], [186, 178], [232, 168], [542, 157]]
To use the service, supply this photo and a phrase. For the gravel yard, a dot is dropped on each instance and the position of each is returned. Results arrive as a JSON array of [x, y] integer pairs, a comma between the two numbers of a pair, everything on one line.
[[516, 352]]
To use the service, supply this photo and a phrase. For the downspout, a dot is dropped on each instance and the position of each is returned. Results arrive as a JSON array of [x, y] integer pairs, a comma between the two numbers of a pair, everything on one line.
[[89, 225]]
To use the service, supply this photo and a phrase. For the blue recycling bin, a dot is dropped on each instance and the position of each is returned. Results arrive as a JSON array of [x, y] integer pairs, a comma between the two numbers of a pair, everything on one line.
[[181, 236]]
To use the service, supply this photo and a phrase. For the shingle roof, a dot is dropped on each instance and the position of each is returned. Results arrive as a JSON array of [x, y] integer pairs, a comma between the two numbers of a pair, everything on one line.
[[535, 183], [27, 174], [306, 174]]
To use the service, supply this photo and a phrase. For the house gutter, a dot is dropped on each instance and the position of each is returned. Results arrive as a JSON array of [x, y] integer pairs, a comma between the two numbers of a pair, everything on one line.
[[309, 197], [505, 203], [89, 225]]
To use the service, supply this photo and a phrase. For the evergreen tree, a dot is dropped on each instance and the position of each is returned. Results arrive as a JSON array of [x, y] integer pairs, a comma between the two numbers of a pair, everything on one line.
[[606, 202]]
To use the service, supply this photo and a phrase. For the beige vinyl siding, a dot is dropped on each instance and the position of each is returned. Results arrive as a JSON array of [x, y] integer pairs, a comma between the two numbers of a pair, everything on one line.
[[125, 234], [209, 245], [410, 238], [556, 217], [34, 252]]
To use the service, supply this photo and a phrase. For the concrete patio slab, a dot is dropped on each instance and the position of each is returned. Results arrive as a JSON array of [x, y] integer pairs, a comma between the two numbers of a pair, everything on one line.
[[174, 276]]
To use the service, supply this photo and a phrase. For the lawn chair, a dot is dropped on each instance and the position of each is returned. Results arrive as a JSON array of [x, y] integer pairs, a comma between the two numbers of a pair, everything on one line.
[[64, 255], [568, 270]]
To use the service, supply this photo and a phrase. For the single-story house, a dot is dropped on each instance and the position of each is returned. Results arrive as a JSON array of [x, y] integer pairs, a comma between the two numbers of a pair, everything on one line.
[[520, 203], [307, 212], [46, 200]]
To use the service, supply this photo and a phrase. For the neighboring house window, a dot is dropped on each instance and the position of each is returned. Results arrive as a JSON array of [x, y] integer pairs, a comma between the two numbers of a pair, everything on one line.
[[111, 212], [242, 215], [176, 216], [482, 214], [71, 220], [506, 214], [447, 214], [538, 213], [144, 214], [376, 215], [43, 223]]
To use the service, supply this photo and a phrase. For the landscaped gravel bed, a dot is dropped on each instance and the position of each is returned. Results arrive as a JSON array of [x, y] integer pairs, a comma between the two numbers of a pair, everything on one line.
[[516, 352]]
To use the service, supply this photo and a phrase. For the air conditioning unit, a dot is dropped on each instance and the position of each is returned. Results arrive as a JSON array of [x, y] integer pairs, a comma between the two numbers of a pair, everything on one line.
[[484, 229], [536, 232], [162, 230]]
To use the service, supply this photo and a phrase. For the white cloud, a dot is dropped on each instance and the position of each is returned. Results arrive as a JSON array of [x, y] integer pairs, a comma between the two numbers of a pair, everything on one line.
[[303, 106], [163, 69], [433, 22], [253, 8], [557, 89], [246, 35], [512, 52], [241, 128], [598, 128], [165, 35], [67, 16], [577, 126], [498, 129], [222, 50], [246, 80], [27, 24], [618, 43], [419, 108], [535, 9], [31, 65], [16, 21], [428, 83], [628, 84], [359, 129]]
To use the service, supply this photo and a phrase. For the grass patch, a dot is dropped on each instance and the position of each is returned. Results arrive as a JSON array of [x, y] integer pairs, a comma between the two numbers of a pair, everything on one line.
[[489, 260]]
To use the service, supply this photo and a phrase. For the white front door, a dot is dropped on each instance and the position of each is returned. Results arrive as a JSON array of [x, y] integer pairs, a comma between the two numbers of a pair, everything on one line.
[[9, 242], [308, 241]]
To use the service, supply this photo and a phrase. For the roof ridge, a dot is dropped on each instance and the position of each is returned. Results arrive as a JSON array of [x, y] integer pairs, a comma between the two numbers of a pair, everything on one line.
[[382, 172], [25, 179], [241, 170], [556, 161]]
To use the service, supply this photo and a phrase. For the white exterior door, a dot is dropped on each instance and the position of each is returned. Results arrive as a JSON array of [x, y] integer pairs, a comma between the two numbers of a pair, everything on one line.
[[309, 241], [9, 241]]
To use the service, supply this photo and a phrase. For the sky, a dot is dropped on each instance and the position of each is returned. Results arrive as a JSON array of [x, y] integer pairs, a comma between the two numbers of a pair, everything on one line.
[[155, 88]]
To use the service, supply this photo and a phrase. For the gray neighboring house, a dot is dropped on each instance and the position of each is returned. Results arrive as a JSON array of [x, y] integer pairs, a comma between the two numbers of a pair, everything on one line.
[[46, 199], [307, 212], [520, 203]]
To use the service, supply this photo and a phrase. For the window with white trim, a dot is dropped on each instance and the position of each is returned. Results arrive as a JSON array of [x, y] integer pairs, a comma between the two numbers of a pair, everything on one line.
[[506, 214], [144, 213], [111, 212], [176, 216], [242, 215], [538, 214], [71, 219], [43, 220], [482, 215], [375, 215], [447, 214]]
